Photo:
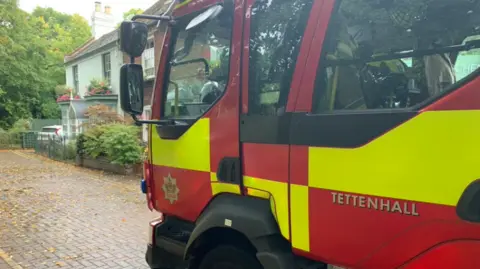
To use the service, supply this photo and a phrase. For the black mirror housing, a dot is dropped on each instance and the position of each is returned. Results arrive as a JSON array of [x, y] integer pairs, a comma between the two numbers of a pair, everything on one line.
[[131, 88], [133, 37]]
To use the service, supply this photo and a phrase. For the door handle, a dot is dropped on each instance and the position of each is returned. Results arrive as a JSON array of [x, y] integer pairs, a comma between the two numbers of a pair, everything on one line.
[[229, 171]]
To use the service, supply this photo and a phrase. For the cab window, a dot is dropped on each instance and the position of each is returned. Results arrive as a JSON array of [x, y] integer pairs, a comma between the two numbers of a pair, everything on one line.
[[276, 32], [198, 66], [396, 54]]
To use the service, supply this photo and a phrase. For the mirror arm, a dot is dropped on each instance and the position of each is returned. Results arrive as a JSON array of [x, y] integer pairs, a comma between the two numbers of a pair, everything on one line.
[[153, 122]]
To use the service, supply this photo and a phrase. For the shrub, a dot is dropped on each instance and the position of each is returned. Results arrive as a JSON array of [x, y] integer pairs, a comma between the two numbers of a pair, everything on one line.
[[119, 143], [80, 144], [122, 144], [70, 151], [21, 125], [93, 141], [13, 137], [100, 115]]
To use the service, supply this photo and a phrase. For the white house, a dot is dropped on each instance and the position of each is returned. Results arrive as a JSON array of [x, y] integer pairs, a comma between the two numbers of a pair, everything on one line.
[[101, 58]]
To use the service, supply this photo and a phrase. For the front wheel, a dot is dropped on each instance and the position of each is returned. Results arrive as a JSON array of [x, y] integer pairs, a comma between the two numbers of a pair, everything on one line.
[[229, 257]]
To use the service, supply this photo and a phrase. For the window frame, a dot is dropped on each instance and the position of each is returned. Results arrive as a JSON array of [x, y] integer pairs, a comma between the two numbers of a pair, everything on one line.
[[104, 65], [174, 34], [322, 65], [283, 97], [76, 80]]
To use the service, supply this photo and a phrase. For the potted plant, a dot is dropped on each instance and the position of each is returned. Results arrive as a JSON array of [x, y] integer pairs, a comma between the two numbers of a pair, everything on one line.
[[65, 93], [99, 87], [100, 92]]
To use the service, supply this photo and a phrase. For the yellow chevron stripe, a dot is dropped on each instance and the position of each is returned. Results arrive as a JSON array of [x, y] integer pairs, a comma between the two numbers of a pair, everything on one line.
[[220, 187], [191, 151], [299, 218], [432, 158]]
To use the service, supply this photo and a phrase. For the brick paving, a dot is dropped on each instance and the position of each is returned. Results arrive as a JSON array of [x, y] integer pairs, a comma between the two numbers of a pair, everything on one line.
[[55, 215]]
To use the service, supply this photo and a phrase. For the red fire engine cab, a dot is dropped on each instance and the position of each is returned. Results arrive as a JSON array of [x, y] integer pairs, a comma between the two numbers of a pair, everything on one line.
[[293, 134]]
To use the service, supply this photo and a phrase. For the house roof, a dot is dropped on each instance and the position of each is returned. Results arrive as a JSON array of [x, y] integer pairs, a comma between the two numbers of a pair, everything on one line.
[[92, 46]]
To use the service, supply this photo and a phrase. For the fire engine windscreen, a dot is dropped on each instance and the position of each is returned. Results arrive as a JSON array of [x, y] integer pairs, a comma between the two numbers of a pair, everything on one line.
[[396, 53], [198, 70]]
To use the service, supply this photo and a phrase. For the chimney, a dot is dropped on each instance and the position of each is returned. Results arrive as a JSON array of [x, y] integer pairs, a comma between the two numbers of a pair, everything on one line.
[[98, 6], [102, 22]]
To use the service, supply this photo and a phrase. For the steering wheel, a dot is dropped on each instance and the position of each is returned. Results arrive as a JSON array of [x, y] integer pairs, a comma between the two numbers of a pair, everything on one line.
[[383, 88]]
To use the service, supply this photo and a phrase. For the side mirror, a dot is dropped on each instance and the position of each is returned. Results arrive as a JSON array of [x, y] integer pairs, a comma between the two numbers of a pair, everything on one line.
[[131, 88], [133, 37]]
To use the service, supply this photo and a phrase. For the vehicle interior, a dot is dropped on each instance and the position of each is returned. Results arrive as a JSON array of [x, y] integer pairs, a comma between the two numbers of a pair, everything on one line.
[[199, 66], [396, 54]]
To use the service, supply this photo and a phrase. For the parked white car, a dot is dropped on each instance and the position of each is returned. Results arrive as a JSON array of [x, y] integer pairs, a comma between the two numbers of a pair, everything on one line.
[[53, 132]]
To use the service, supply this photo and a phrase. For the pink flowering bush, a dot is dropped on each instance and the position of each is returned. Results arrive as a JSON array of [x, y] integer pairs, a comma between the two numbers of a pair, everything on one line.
[[99, 87], [65, 96]]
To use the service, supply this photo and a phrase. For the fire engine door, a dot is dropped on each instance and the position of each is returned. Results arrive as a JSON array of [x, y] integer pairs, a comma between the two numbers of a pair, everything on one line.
[[275, 49], [196, 156], [376, 169]]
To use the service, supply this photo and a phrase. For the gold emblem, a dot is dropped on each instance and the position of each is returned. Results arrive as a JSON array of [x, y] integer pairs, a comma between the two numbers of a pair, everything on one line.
[[170, 189]]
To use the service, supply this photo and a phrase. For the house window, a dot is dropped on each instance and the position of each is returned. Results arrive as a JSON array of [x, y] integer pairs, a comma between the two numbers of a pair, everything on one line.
[[149, 59], [75, 77], [106, 67]]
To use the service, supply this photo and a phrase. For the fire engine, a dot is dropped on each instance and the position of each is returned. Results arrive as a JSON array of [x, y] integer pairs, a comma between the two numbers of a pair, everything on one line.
[[312, 133]]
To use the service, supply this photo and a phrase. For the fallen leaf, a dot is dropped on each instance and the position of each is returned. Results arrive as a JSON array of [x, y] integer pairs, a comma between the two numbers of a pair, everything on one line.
[[124, 220], [60, 264], [51, 250]]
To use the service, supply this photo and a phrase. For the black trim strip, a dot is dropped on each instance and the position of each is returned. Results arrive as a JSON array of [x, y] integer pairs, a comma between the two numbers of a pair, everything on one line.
[[265, 129], [338, 130]]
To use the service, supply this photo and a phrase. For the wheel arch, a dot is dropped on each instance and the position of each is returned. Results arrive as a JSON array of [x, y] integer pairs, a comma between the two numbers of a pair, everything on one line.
[[248, 218]]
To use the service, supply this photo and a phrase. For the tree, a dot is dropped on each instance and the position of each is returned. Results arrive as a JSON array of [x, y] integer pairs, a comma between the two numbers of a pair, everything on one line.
[[32, 47], [129, 14], [63, 33], [132, 12]]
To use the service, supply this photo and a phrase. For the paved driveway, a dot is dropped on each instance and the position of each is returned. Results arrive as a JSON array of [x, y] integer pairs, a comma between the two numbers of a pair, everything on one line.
[[54, 215]]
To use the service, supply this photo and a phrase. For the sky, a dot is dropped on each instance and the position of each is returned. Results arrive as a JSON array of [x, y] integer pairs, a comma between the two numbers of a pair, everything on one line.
[[86, 7]]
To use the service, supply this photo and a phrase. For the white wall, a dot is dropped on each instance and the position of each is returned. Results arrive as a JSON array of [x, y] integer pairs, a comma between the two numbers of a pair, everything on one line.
[[92, 67]]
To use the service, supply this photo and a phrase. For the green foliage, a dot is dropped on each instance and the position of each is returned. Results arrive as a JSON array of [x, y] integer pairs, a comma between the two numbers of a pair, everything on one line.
[[93, 142], [117, 142], [21, 125], [13, 137], [32, 47], [132, 12], [70, 151], [129, 14], [80, 144], [99, 86], [122, 144]]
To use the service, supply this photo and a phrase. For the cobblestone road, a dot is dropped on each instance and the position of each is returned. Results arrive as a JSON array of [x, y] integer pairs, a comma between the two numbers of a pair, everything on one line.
[[54, 215]]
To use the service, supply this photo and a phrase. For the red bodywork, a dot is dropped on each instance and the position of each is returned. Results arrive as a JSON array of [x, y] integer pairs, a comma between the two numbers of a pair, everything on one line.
[[224, 127]]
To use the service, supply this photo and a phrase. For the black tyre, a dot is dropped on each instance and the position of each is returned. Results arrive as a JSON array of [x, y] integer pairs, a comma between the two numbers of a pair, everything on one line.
[[229, 257]]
